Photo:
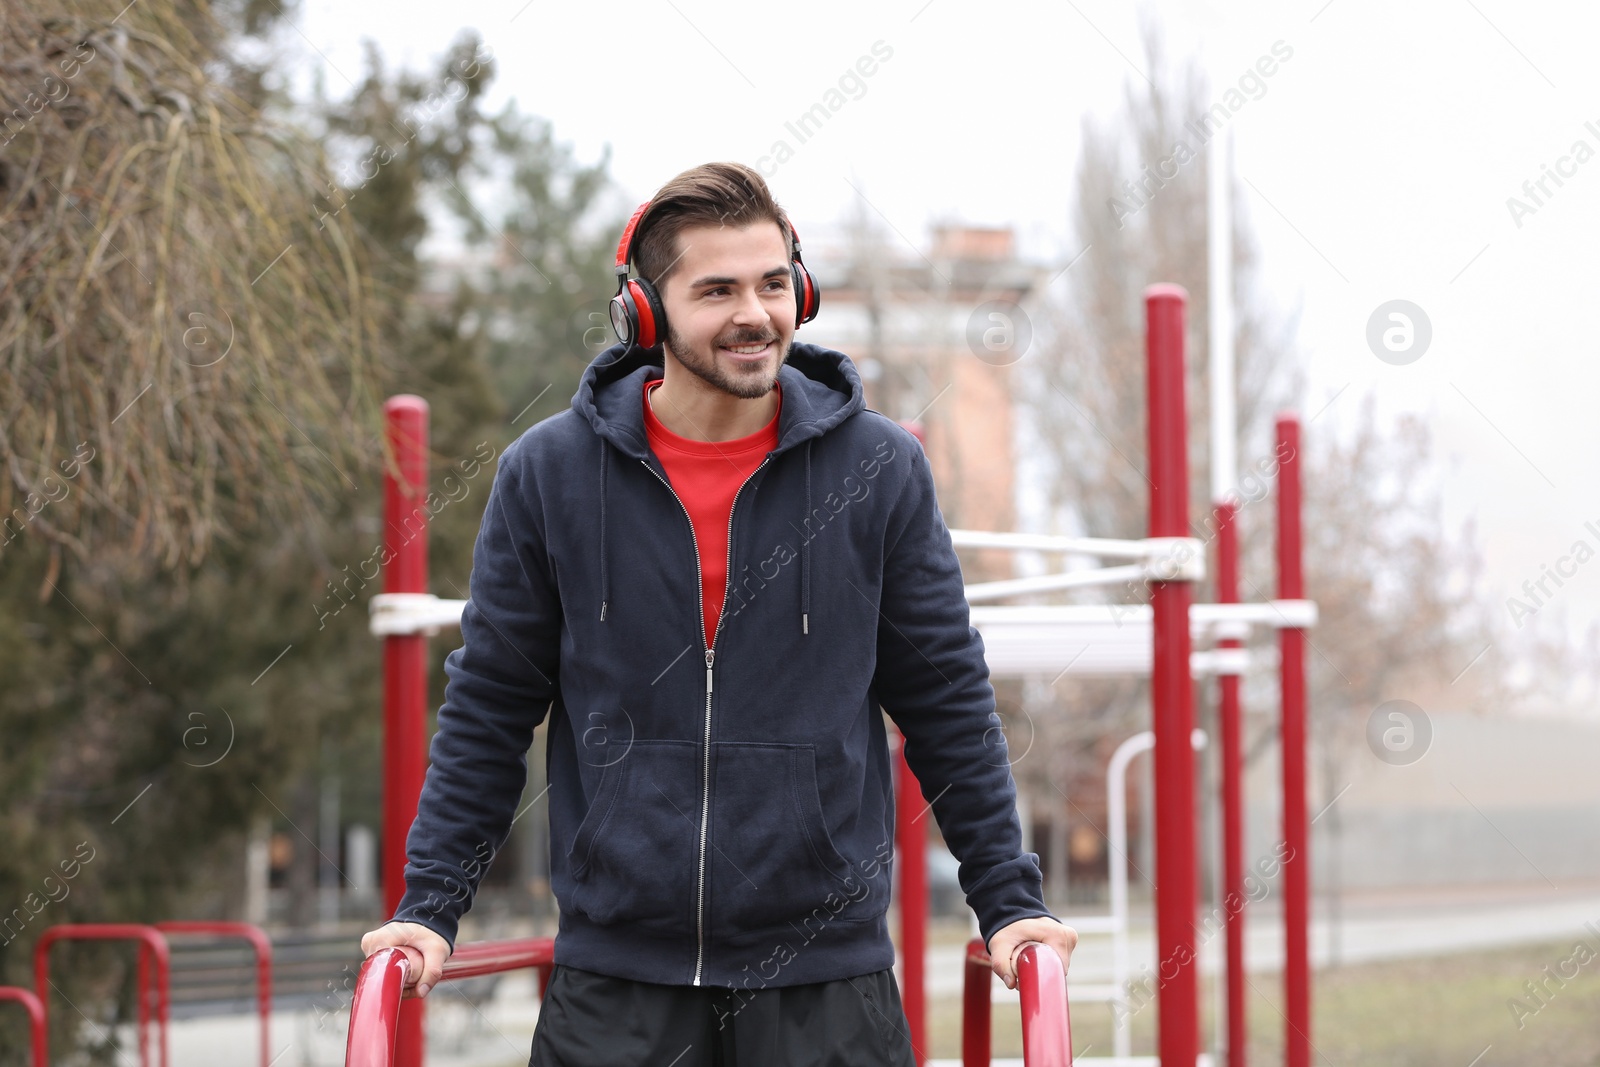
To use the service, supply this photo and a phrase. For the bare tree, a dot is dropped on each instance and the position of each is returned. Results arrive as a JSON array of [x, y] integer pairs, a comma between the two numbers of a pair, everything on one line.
[[1399, 604]]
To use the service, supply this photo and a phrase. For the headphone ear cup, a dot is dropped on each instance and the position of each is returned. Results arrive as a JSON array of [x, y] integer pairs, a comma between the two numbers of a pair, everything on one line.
[[624, 319], [650, 315], [807, 296]]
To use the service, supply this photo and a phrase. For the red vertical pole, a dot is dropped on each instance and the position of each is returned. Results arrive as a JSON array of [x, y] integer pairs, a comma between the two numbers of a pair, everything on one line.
[[142, 982], [977, 1007], [405, 677], [911, 835], [1232, 774], [39, 1055], [1296, 829], [911, 839], [1171, 687]]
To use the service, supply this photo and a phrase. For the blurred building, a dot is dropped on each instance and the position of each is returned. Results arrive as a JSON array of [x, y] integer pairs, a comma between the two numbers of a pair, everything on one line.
[[936, 332]]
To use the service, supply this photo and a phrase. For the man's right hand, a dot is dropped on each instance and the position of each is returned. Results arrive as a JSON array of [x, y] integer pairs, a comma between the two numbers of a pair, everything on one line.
[[425, 953]]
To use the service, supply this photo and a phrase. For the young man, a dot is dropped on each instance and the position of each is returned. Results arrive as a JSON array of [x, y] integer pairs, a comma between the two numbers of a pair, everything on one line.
[[714, 573]]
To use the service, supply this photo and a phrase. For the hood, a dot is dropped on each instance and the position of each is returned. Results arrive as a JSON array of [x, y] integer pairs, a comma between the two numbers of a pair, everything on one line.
[[821, 388]]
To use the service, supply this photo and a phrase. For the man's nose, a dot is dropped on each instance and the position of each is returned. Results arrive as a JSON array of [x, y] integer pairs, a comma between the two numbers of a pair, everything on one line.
[[750, 310]]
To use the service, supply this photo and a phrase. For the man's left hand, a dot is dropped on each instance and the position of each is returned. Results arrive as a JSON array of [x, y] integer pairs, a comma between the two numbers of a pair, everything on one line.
[[1008, 940]]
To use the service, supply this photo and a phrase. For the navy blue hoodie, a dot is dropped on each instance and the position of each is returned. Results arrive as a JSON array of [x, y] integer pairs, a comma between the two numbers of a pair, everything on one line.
[[719, 816]]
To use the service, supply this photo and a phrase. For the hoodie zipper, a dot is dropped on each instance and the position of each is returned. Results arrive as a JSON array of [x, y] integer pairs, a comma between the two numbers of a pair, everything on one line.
[[705, 761]]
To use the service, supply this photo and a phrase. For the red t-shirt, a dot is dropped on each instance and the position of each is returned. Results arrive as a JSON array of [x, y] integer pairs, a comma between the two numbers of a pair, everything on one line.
[[707, 475]]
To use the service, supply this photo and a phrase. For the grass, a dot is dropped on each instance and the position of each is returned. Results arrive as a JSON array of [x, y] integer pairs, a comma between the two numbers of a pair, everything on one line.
[[1444, 1011]]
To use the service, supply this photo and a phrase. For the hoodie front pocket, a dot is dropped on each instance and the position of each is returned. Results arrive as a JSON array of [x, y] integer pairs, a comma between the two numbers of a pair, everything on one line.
[[634, 858], [771, 858]]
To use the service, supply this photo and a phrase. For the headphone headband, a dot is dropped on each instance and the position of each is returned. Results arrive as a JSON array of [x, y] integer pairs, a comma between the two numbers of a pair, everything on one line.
[[625, 245], [637, 314]]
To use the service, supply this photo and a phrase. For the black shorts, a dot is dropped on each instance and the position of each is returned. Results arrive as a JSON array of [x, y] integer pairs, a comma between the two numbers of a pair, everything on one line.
[[594, 1020]]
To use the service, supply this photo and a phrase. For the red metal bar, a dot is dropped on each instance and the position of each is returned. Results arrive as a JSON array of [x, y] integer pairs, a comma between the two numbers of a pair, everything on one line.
[[911, 840], [1046, 1026], [911, 834], [1042, 988], [492, 957], [405, 668], [375, 1012], [38, 1036], [976, 1010], [1231, 771], [1296, 829], [142, 984], [152, 945], [260, 944], [1171, 687]]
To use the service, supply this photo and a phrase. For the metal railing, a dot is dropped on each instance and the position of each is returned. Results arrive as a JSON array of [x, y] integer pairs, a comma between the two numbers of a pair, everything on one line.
[[152, 945], [1041, 983], [40, 1055], [260, 944], [375, 1010], [1042, 986]]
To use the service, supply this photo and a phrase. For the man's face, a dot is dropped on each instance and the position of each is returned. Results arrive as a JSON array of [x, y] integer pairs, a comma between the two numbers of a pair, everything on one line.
[[730, 306]]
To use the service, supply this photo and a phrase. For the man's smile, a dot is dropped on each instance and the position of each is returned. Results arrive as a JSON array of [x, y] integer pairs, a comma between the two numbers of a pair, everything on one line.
[[747, 353]]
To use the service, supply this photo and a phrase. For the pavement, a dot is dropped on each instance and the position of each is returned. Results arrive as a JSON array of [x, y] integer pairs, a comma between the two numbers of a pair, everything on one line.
[[1372, 927]]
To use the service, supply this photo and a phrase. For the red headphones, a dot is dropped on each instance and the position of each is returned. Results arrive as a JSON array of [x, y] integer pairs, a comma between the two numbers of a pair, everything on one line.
[[638, 316]]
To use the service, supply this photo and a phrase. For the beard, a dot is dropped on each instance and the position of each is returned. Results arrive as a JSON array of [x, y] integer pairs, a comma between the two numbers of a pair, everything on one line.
[[747, 382]]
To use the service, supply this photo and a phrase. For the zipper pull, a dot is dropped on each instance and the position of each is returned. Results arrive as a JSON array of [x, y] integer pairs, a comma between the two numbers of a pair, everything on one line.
[[710, 655]]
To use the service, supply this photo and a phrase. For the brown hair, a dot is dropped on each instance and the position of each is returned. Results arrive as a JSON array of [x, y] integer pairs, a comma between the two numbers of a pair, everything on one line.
[[710, 194]]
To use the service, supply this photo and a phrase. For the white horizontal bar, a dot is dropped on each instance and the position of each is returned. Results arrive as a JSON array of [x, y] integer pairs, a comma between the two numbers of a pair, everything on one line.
[[1109, 639], [1214, 661], [1019, 542], [1275, 613], [398, 614], [1047, 583], [1170, 559]]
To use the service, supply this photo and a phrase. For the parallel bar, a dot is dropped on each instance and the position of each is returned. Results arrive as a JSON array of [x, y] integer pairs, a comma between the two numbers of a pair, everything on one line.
[[1296, 827], [260, 945], [492, 957], [405, 679], [1171, 688], [1231, 771], [977, 1009], [1042, 991], [376, 1012], [911, 834], [1107, 547], [152, 945], [1049, 583], [1297, 613], [39, 1053], [1046, 1027]]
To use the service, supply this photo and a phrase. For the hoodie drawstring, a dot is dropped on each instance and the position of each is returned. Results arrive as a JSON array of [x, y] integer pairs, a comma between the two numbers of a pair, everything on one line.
[[805, 543], [805, 554], [604, 585]]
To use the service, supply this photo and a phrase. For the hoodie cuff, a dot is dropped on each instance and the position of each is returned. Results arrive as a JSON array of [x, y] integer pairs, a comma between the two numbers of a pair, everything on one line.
[[430, 906], [1012, 891]]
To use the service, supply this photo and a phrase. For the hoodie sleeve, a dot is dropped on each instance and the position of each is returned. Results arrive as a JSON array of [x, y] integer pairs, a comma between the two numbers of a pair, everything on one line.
[[501, 683], [933, 681]]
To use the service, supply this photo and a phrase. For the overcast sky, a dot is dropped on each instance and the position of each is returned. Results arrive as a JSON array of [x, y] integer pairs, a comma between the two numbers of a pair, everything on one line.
[[1377, 162]]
